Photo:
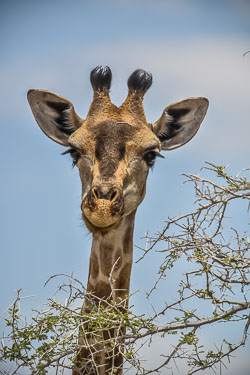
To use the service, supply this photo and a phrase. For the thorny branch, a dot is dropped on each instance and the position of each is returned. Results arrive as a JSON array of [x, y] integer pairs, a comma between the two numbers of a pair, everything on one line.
[[210, 257]]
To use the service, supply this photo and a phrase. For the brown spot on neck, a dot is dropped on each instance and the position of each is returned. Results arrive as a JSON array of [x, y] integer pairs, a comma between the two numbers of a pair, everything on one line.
[[106, 259], [101, 289], [123, 279], [93, 266], [128, 236]]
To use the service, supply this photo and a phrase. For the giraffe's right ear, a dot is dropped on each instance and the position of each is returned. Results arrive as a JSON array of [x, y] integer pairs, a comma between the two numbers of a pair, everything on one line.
[[54, 114]]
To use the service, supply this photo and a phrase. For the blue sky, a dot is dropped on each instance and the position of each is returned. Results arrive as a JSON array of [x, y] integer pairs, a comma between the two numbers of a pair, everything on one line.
[[192, 48]]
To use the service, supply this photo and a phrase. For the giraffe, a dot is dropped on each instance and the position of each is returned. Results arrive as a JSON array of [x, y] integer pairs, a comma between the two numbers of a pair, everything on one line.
[[113, 148]]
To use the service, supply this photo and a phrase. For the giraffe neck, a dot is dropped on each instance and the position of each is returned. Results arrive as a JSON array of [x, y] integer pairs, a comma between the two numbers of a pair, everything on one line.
[[111, 262], [108, 281]]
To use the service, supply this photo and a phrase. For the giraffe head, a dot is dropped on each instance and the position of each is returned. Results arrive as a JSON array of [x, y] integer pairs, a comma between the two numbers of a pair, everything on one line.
[[114, 147]]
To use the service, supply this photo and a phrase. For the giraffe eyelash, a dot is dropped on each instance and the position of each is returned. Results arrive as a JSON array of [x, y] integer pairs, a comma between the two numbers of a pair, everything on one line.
[[74, 154], [150, 157]]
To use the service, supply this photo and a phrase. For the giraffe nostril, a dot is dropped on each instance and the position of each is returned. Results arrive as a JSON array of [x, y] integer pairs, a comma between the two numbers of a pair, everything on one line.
[[95, 193], [114, 195]]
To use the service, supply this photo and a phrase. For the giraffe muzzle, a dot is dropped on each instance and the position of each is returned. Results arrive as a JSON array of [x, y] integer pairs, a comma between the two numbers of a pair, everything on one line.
[[103, 208]]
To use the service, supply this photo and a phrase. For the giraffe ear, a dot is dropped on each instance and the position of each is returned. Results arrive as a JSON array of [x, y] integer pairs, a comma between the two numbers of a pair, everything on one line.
[[180, 122], [54, 114]]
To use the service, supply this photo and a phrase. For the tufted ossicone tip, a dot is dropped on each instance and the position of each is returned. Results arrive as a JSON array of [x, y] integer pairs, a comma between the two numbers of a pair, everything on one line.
[[100, 78], [140, 81]]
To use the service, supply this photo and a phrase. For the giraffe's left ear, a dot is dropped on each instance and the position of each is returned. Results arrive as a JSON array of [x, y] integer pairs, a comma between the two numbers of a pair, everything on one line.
[[180, 122], [54, 114]]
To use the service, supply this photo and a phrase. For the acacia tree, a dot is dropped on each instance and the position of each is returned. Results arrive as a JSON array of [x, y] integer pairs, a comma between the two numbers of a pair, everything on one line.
[[213, 289]]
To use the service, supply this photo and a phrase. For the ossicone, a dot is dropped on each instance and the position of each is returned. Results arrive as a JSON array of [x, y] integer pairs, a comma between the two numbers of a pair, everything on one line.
[[100, 78], [140, 81]]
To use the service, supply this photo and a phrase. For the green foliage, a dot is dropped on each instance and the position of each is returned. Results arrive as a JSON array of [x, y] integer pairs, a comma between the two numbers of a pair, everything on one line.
[[51, 338]]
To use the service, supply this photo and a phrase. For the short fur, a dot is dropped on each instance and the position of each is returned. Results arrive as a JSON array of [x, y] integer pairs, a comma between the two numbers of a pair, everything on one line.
[[110, 144]]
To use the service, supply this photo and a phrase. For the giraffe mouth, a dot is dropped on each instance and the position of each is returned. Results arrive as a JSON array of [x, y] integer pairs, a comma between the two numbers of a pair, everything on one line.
[[102, 214]]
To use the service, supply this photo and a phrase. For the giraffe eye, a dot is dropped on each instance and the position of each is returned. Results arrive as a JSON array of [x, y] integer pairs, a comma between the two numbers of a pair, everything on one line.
[[74, 154], [150, 158]]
